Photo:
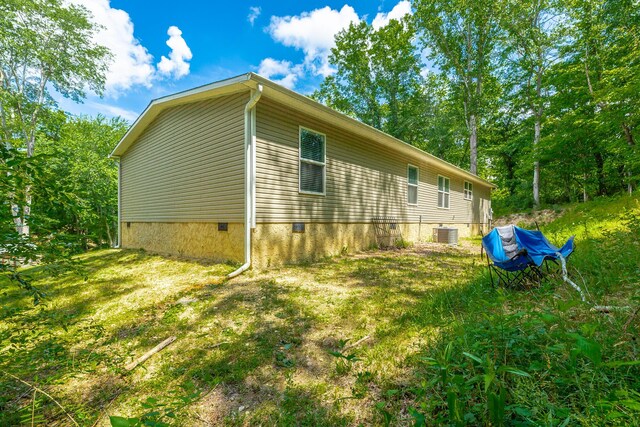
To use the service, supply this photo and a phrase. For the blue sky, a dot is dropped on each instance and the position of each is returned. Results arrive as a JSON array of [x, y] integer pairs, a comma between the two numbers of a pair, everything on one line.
[[163, 47]]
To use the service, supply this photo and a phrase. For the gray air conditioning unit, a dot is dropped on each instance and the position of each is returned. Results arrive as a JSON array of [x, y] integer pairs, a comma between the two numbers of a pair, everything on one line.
[[445, 235]]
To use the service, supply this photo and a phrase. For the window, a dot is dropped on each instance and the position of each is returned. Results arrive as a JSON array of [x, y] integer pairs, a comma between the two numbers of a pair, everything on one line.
[[312, 161], [468, 190], [412, 185], [443, 192]]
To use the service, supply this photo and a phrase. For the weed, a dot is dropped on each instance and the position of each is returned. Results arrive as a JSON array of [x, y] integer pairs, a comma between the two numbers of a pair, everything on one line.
[[373, 246], [283, 356], [402, 244], [162, 411], [344, 362]]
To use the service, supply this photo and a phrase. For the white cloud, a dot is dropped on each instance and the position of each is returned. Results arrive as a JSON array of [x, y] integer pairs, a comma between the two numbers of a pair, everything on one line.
[[313, 33], [281, 72], [254, 12], [398, 12], [177, 64], [132, 64], [113, 111]]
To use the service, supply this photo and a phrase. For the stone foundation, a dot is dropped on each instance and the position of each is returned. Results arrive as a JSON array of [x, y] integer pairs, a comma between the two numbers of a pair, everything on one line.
[[188, 239], [275, 244], [272, 244]]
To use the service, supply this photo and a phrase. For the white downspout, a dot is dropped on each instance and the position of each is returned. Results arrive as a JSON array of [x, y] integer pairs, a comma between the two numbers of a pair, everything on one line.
[[119, 230], [249, 178]]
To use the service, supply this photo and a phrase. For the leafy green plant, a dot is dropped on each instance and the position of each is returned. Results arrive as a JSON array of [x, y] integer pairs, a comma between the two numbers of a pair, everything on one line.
[[402, 244], [283, 357], [162, 411], [345, 361], [361, 386]]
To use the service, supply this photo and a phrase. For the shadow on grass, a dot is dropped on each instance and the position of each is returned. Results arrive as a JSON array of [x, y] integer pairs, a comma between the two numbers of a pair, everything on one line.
[[261, 343], [243, 340], [258, 346], [63, 339]]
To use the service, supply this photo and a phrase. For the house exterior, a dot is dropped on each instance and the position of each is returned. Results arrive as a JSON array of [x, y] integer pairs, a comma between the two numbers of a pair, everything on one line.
[[247, 170]]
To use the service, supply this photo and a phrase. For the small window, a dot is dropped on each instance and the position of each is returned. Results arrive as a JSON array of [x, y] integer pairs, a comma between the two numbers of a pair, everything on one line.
[[443, 192], [312, 161], [412, 185], [468, 190]]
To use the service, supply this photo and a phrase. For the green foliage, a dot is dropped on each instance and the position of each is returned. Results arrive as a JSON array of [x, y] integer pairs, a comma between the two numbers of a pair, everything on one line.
[[81, 194], [50, 247], [44, 45], [74, 188], [582, 51], [344, 361], [462, 37], [402, 244], [162, 411], [535, 367], [536, 85], [384, 91], [542, 357]]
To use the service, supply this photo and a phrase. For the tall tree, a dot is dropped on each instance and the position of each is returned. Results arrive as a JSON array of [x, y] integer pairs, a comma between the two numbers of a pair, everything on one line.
[[461, 37], [533, 35], [621, 92], [43, 44], [378, 79]]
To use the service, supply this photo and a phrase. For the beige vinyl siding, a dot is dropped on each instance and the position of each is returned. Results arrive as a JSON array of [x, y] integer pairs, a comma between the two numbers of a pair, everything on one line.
[[188, 165], [363, 179]]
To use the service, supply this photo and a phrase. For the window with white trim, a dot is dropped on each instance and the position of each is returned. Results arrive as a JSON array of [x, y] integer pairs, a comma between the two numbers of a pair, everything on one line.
[[312, 161], [443, 192], [468, 190], [412, 185]]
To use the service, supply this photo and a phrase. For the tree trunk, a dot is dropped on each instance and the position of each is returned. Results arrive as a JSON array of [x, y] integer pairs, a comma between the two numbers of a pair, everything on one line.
[[585, 196], [17, 219], [473, 144], [108, 229], [26, 211], [631, 142], [536, 164], [602, 188]]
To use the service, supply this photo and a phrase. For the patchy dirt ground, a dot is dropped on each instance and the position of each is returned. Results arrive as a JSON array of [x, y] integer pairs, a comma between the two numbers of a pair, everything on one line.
[[265, 348], [529, 220]]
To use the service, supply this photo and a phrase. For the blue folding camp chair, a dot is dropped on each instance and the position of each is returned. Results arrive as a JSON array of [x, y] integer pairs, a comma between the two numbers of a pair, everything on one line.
[[516, 255]]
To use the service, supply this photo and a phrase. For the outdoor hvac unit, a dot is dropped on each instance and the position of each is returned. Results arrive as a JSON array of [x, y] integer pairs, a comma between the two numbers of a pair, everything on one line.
[[445, 235]]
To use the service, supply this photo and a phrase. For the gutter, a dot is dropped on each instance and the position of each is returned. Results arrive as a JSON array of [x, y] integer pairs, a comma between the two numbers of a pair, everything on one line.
[[249, 178]]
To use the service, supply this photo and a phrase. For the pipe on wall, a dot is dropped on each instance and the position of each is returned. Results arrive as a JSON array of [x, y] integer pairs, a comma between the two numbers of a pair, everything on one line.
[[249, 178], [118, 244]]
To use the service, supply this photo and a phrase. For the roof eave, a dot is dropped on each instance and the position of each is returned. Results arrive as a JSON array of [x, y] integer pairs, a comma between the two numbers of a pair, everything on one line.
[[159, 104], [369, 131], [250, 81]]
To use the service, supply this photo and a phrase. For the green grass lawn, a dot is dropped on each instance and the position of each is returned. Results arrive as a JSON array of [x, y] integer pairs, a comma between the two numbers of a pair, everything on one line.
[[275, 347]]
